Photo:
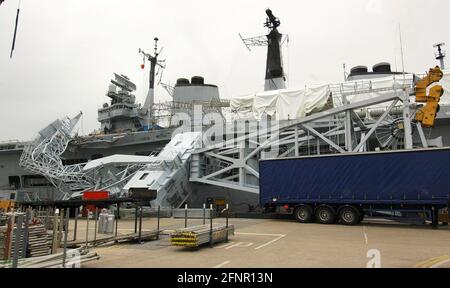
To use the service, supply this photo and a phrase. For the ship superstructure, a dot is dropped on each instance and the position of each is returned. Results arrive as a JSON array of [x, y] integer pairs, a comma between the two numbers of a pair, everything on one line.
[[123, 114]]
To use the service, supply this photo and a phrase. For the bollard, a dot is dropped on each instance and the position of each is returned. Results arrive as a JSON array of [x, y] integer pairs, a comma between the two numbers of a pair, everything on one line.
[[66, 232], [185, 215], [210, 226], [159, 217]]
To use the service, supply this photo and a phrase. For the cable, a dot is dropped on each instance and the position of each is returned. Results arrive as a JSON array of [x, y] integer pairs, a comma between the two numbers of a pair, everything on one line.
[[15, 30]]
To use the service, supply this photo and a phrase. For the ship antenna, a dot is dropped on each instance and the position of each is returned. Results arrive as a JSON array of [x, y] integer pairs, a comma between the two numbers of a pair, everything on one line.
[[275, 76], [153, 59], [440, 54], [406, 102]]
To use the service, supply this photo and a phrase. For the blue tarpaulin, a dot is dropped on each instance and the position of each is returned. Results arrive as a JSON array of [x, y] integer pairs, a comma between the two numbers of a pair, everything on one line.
[[405, 177]]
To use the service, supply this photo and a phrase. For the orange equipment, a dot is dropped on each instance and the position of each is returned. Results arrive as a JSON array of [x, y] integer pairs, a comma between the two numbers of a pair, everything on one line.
[[6, 205], [427, 115]]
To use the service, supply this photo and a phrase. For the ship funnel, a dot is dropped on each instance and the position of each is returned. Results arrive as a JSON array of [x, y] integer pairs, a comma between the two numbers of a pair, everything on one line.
[[383, 67], [359, 70], [197, 80], [182, 82]]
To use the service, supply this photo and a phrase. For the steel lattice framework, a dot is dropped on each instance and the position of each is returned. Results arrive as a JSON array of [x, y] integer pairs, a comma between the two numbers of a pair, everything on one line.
[[342, 127], [233, 164], [43, 157]]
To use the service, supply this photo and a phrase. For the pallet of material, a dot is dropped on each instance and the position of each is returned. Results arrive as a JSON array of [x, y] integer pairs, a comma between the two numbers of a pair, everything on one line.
[[145, 236], [55, 260], [199, 235], [2, 242], [38, 242]]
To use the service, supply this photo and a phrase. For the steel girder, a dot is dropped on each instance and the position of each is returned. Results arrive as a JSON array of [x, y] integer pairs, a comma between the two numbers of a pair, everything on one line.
[[234, 163]]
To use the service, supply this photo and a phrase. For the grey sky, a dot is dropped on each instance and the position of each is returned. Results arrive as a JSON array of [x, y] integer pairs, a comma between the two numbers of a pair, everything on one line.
[[67, 50]]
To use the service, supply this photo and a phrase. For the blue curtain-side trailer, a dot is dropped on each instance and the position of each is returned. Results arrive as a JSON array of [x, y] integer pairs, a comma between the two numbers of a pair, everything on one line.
[[347, 187]]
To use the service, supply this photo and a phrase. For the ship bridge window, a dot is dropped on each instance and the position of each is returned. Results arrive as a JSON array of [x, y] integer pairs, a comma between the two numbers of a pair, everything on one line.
[[30, 181], [14, 182], [7, 147], [67, 162], [146, 153]]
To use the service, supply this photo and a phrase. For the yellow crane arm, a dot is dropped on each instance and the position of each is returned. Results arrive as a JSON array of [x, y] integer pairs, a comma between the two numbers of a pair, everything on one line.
[[427, 115]]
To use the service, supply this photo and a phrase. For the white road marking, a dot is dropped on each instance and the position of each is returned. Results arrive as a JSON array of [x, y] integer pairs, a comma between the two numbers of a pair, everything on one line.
[[223, 246], [260, 234], [222, 264], [279, 236], [365, 235], [437, 265], [240, 244], [270, 242]]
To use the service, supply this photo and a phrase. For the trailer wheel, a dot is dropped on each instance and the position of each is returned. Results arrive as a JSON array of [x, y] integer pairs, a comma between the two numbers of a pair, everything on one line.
[[349, 216], [325, 215], [303, 214]]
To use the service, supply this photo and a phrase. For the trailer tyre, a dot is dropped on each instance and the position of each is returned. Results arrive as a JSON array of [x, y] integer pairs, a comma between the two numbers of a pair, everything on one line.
[[303, 214], [325, 215], [349, 216]]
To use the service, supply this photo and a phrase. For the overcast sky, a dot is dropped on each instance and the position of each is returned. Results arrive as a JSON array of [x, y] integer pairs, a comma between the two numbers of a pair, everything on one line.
[[67, 50]]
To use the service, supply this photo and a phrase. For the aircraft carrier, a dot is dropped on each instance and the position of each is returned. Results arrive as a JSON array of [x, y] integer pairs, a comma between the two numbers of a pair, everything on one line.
[[133, 152]]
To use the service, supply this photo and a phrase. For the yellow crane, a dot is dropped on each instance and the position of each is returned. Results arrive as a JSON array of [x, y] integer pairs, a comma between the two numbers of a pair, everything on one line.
[[427, 115]]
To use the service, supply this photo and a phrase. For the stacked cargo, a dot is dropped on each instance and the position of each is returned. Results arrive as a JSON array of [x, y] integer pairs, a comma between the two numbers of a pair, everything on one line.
[[200, 235], [38, 243], [2, 242]]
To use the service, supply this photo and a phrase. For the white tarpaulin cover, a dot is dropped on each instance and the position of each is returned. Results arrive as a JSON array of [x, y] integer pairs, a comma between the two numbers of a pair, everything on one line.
[[295, 103], [379, 87], [282, 104]]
